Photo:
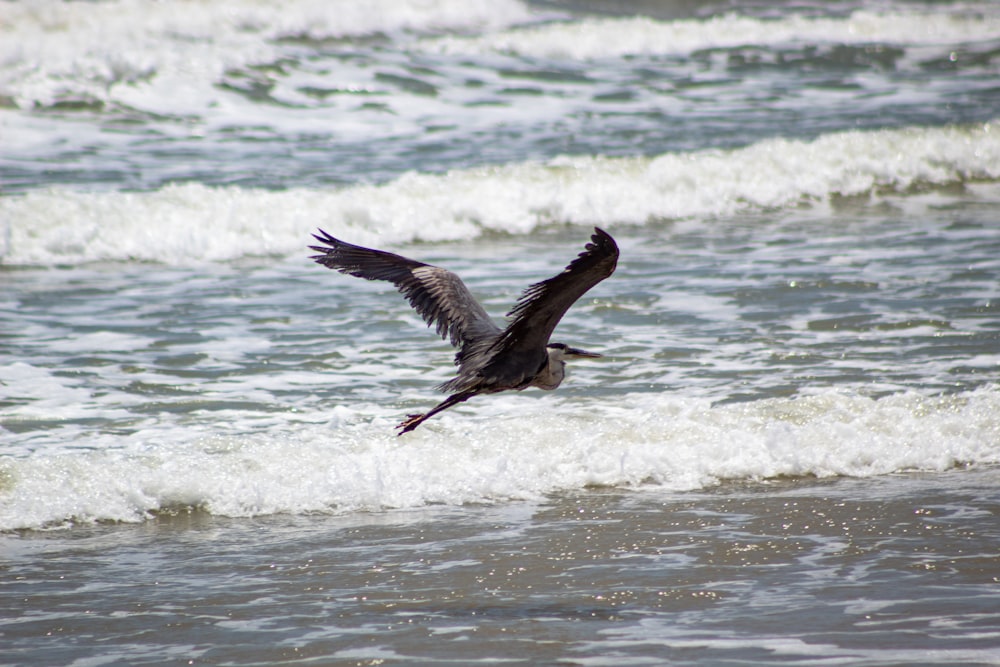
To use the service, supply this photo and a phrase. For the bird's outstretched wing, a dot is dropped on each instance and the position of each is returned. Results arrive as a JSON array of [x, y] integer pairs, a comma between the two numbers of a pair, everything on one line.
[[543, 304], [438, 295]]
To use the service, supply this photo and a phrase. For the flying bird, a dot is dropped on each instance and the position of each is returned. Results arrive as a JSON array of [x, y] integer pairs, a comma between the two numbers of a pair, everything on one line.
[[489, 359]]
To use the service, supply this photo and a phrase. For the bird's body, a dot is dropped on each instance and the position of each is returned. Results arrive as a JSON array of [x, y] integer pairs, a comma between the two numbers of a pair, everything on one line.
[[489, 358]]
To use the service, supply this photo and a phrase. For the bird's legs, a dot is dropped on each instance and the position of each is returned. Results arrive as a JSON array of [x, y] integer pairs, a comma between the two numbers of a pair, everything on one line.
[[413, 421]]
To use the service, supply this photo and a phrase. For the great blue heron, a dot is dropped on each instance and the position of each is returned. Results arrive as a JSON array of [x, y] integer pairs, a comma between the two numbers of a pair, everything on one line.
[[489, 359]]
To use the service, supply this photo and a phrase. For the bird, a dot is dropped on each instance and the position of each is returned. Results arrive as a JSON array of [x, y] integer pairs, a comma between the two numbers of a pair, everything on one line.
[[490, 359]]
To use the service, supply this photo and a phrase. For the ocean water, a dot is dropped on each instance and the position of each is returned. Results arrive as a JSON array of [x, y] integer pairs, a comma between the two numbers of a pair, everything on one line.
[[789, 453]]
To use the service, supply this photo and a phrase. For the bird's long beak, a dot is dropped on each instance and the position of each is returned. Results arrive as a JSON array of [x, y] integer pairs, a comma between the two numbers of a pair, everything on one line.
[[576, 352]]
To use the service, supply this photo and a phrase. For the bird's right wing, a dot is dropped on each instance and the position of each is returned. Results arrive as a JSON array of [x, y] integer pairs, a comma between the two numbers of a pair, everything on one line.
[[438, 295], [542, 305]]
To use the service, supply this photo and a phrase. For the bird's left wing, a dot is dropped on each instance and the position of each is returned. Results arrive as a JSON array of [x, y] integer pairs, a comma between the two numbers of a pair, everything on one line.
[[438, 295], [543, 304]]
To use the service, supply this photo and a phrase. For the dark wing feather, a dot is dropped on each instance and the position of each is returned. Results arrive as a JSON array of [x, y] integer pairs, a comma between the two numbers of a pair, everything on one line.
[[438, 295], [543, 304]]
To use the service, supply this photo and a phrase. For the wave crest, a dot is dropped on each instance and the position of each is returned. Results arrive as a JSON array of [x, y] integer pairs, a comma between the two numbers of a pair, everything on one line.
[[193, 223]]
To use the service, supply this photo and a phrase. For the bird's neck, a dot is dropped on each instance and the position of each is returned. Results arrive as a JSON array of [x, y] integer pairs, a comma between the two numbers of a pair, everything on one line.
[[552, 373]]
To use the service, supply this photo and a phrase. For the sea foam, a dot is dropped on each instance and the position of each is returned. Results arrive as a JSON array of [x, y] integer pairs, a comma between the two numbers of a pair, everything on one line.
[[597, 38], [170, 57], [192, 223], [353, 462], [115, 52]]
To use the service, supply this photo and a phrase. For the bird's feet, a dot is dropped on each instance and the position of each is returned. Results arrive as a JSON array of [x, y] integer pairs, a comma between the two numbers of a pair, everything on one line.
[[410, 423]]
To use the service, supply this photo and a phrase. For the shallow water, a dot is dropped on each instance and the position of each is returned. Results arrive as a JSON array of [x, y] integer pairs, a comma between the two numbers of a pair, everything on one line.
[[893, 570], [788, 453]]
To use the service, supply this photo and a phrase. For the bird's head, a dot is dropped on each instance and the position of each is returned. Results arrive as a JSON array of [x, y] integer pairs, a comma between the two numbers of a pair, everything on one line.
[[560, 351]]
